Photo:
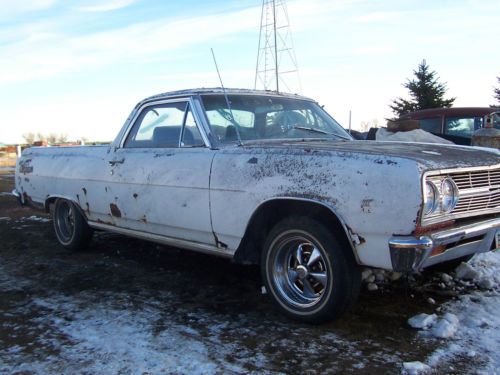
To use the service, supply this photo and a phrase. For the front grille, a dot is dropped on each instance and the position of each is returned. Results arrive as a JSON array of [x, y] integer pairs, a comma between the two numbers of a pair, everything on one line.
[[479, 193], [476, 179]]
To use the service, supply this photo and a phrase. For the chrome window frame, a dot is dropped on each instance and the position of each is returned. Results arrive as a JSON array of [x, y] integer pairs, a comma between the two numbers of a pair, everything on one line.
[[192, 106]]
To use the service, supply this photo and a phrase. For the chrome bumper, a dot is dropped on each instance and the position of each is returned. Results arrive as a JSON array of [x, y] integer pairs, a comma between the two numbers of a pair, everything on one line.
[[409, 254]]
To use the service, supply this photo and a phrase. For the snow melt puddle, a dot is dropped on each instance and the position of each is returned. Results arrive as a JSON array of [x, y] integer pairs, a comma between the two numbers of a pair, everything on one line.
[[471, 324]]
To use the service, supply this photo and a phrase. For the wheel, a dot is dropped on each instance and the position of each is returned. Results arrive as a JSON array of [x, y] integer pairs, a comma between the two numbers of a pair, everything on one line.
[[307, 272], [72, 230]]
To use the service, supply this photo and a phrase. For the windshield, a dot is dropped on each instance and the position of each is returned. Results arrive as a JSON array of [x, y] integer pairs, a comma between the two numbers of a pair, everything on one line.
[[268, 117]]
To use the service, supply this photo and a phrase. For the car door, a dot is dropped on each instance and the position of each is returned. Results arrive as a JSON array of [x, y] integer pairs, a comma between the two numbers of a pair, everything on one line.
[[160, 175]]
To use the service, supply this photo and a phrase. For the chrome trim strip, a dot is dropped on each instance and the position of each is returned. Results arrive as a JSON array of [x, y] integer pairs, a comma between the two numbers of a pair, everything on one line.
[[410, 242], [460, 170], [175, 242]]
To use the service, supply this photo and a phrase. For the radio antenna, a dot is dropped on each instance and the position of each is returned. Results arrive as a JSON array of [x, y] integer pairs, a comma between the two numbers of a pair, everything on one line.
[[236, 126]]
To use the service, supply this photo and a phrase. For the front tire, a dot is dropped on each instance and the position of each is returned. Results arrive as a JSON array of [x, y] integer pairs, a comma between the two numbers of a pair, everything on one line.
[[307, 272], [71, 228]]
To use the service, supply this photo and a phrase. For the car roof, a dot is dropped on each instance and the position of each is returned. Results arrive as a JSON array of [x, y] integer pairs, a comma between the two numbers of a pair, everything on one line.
[[220, 91], [454, 111]]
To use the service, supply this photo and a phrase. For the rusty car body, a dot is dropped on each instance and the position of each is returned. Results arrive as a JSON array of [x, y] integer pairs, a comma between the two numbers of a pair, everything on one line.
[[272, 179]]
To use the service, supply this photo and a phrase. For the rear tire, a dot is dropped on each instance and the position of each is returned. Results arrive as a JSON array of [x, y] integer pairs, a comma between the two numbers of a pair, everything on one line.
[[72, 230], [307, 272]]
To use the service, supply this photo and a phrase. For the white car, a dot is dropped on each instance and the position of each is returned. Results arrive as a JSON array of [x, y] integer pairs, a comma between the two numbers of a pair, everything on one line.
[[270, 178]]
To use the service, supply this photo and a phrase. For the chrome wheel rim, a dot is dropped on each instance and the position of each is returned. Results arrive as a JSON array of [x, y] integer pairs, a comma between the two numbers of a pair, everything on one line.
[[299, 270], [65, 221]]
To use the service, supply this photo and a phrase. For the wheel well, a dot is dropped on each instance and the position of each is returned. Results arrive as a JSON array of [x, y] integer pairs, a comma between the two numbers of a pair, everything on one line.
[[52, 200], [271, 212], [49, 202]]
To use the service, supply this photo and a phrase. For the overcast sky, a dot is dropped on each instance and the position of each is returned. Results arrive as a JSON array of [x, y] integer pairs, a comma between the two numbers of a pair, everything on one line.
[[78, 67]]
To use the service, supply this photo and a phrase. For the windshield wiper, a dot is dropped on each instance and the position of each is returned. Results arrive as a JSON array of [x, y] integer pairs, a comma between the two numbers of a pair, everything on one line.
[[314, 130]]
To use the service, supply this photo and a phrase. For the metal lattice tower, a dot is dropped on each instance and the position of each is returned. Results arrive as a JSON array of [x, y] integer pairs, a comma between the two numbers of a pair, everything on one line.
[[276, 61]]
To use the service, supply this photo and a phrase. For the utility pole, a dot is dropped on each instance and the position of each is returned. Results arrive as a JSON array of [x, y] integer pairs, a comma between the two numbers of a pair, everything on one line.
[[277, 67]]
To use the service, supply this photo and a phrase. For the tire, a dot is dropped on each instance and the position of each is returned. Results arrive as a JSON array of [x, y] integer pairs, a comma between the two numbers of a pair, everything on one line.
[[72, 230], [307, 272]]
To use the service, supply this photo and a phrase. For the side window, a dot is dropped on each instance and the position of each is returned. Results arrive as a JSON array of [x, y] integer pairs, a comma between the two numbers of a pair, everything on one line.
[[431, 125], [161, 126], [191, 136], [462, 126]]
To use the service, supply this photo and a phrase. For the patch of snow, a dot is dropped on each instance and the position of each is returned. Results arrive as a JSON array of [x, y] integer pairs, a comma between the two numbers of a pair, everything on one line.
[[4, 218], [415, 368], [38, 218], [422, 321], [465, 271], [473, 321], [446, 327], [4, 193], [372, 287]]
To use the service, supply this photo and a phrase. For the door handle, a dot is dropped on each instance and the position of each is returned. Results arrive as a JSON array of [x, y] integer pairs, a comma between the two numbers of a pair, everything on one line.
[[114, 162]]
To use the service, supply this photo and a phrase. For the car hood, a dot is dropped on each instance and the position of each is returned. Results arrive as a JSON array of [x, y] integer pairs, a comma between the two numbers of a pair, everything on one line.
[[430, 156]]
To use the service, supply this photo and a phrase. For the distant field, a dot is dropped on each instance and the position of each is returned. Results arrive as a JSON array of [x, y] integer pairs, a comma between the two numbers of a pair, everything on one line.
[[7, 162]]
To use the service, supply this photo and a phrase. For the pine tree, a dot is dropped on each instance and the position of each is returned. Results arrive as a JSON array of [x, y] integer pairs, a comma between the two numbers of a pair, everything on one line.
[[425, 92], [497, 93]]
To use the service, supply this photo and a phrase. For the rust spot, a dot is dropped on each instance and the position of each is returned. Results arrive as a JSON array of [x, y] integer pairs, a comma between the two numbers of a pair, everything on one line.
[[84, 191], [106, 189], [135, 195], [88, 208], [143, 219], [253, 160], [115, 211], [26, 179]]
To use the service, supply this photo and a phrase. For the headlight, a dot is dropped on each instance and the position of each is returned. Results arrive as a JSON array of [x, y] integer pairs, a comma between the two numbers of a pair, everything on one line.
[[449, 195], [431, 195]]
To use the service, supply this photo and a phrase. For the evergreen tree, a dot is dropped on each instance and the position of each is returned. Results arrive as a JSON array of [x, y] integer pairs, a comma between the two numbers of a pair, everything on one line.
[[497, 93], [425, 92]]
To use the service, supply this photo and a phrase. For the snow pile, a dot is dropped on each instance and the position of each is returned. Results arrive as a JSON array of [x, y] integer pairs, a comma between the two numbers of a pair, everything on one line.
[[444, 327], [417, 135], [471, 321], [422, 321]]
